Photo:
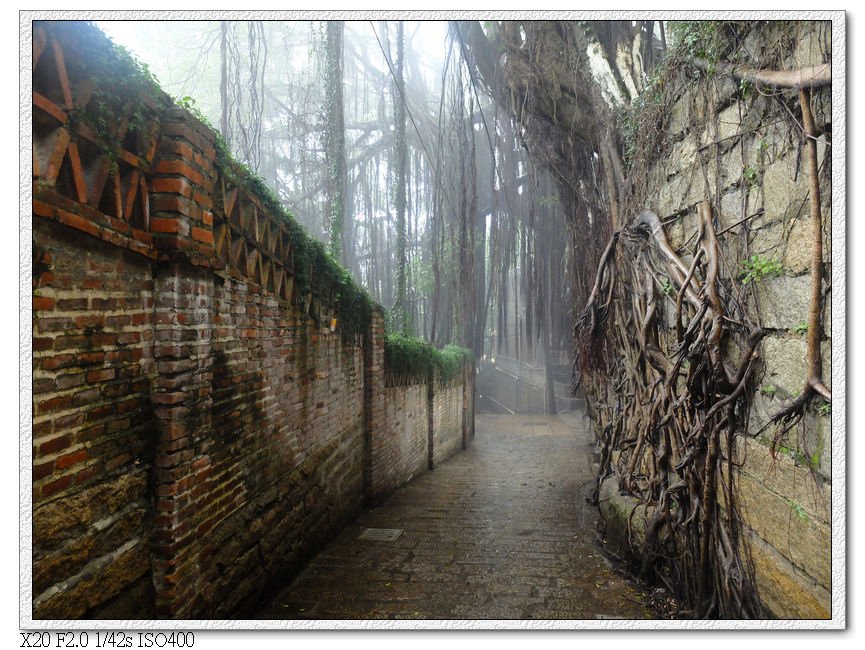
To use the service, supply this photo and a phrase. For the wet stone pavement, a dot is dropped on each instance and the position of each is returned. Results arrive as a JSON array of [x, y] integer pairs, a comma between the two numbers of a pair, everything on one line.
[[499, 531]]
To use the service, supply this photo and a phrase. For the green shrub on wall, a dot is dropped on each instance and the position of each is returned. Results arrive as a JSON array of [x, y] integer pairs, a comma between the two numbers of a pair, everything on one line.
[[406, 355], [452, 359]]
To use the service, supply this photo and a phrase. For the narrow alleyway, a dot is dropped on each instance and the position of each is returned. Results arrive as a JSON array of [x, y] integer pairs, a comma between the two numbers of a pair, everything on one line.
[[500, 531]]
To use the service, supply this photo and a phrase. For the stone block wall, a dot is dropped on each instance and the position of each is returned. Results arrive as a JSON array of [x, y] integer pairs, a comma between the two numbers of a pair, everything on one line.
[[742, 152], [200, 425]]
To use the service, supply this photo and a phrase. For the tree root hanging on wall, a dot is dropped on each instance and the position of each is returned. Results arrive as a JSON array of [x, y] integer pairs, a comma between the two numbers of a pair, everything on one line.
[[669, 404], [791, 414]]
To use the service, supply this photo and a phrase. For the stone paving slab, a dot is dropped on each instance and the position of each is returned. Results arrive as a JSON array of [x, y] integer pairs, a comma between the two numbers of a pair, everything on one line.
[[500, 531]]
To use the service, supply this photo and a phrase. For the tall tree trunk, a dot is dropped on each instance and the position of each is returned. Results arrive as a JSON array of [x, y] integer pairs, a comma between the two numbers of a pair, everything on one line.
[[334, 140], [479, 237], [400, 155], [547, 331], [223, 79]]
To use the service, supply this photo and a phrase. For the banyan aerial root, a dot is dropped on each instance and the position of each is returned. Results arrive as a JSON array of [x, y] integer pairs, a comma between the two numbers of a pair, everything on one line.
[[791, 414], [673, 403]]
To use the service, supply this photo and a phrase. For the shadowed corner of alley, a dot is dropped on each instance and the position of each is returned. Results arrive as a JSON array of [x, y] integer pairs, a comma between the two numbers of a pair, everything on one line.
[[499, 531]]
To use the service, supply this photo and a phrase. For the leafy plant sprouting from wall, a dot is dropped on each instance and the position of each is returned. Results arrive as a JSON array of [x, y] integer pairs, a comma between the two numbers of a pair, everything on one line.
[[758, 267]]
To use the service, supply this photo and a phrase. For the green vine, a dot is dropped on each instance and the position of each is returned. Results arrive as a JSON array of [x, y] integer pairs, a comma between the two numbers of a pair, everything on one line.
[[768, 390], [751, 178], [699, 39]]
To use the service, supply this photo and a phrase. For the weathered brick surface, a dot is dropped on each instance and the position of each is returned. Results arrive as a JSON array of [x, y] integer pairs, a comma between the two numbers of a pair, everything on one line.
[[195, 435], [93, 423], [182, 188], [447, 420], [291, 395], [258, 417], [375, 482], [407, 424], [422, 425]]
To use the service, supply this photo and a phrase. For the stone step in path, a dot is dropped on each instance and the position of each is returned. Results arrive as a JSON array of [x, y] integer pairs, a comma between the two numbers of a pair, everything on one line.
[[500, 531]]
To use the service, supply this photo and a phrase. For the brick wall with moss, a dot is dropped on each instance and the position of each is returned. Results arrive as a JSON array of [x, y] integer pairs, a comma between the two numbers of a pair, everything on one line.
[[426, 416]]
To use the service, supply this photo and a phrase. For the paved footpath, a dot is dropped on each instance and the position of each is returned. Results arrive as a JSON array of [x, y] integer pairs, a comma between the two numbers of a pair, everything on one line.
[[500, 531]]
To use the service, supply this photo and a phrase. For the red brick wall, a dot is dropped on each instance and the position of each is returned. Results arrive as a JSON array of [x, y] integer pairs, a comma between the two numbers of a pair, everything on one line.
[[93, 424], [374, 467], [284, 451], [255, 416]]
